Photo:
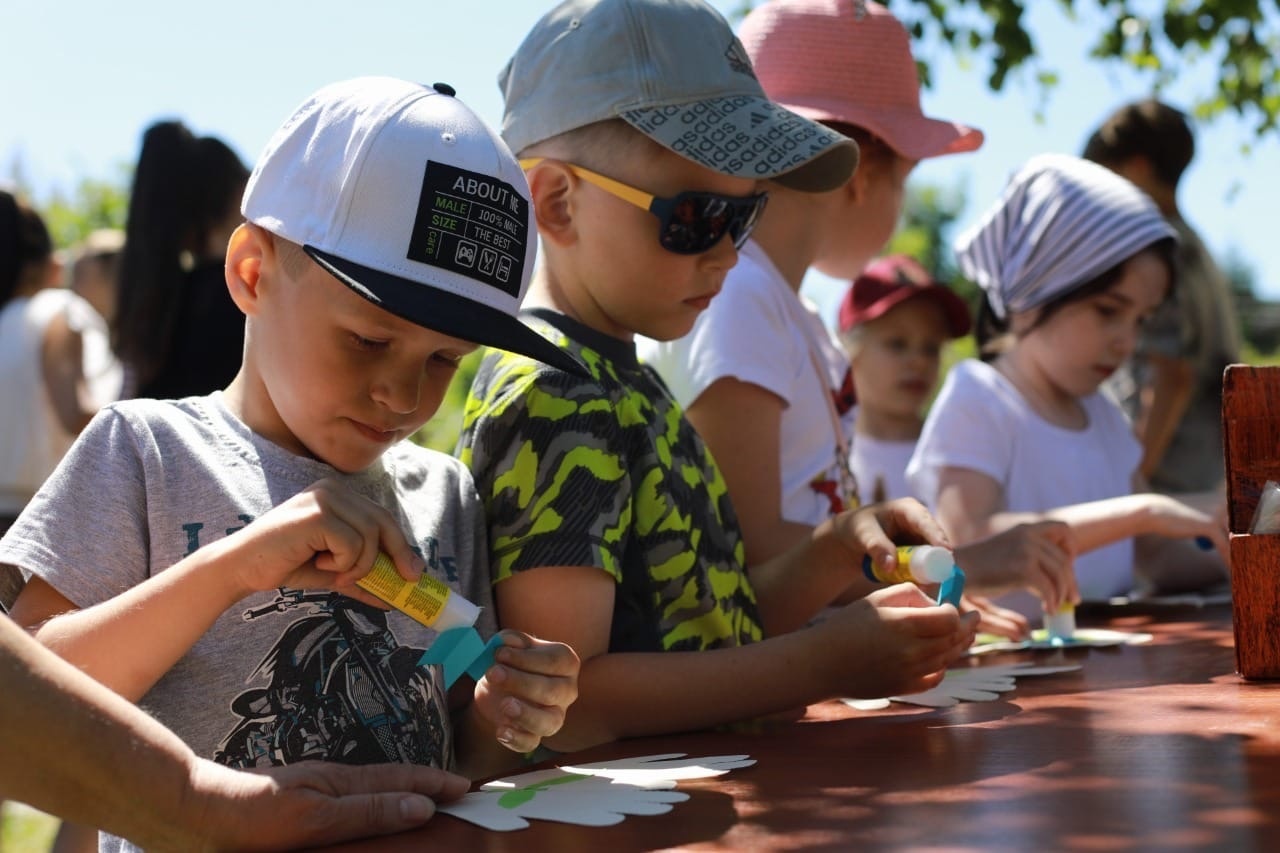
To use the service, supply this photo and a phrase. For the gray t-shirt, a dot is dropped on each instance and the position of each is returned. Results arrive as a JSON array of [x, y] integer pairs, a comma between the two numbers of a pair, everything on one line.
[[284, 675]]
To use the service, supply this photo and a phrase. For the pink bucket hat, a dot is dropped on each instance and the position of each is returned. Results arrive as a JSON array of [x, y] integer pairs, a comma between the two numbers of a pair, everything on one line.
[[848, 61]]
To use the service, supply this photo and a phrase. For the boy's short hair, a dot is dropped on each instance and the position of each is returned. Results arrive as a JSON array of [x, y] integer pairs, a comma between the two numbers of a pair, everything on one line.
[[1149, 129], [596, 145], [673, 70], [403, 194]]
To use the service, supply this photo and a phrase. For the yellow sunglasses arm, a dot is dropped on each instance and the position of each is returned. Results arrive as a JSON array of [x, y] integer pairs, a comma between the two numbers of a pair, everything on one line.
[[637, 197]]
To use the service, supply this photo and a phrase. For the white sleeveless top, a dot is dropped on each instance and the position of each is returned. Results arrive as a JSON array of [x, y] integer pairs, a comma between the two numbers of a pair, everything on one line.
[[32, 439]]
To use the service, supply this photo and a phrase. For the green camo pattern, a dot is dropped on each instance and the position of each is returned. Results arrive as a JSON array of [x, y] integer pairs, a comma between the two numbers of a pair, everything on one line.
[[607, 472]]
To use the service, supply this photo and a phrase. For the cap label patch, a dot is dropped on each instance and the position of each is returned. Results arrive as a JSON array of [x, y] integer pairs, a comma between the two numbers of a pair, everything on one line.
[[738, 135], [472, 224]]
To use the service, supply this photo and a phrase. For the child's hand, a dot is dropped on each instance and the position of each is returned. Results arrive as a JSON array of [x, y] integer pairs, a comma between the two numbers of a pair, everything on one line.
[[994, 619], [1170, 517], [875, 528], [525, 694], [893, 642], [1037, 556], [325, 537]]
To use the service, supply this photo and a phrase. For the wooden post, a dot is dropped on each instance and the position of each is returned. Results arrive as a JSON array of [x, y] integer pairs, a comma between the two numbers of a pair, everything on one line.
[[1251, 448]]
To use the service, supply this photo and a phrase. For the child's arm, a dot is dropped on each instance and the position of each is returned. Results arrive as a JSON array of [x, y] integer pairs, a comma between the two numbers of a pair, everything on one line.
[[893, 641], [741, 423], [325, 537], [1173, 565], [62, 368], [521, 700], [969, 507], [969, 501], [826, 567]]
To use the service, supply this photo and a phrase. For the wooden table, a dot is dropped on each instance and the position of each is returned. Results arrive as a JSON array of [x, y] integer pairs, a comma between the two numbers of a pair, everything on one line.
[[1149, 747]]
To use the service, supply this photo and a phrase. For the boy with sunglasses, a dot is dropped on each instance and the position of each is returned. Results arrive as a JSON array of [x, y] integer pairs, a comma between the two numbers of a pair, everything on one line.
[[644, 134]]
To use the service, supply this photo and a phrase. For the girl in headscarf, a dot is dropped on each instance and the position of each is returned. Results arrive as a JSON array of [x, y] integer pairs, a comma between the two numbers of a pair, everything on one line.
[[1071, 260]]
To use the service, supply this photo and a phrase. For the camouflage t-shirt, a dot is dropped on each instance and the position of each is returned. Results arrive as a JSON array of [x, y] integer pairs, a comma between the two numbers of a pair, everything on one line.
[[607, 472]]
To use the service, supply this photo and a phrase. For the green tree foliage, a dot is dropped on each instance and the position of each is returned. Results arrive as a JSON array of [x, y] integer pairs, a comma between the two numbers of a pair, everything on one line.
[[925, 232], [1239, 39], [93, 203], [929, 214]]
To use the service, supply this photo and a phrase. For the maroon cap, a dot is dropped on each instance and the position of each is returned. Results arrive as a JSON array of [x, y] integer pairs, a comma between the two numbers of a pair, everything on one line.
[[891, 280]]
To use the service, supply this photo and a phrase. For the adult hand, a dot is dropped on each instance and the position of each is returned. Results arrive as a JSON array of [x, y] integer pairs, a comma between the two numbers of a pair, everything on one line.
[[310, 803]]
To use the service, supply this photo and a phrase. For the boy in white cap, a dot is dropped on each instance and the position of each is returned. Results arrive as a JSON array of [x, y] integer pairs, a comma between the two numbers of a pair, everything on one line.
[[200, 554], [645, 134]]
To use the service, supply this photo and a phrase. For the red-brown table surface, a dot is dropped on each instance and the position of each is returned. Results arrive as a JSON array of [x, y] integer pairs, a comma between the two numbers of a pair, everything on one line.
[[1148, 747]]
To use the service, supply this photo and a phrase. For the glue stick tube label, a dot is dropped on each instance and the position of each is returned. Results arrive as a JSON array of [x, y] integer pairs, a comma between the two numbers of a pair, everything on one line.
[[927, 564], [429, 601]]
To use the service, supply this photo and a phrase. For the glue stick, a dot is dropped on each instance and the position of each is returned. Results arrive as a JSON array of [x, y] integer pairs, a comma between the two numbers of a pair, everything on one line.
[[928, 564], [1061, 624], [429, 601]]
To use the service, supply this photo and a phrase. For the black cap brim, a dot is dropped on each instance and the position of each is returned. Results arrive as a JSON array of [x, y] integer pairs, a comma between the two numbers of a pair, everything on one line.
[[442, 311]]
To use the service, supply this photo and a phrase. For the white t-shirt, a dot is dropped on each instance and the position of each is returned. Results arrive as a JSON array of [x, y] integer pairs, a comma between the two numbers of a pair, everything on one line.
[[759, 330], [877, 461], [980, 421], [33, 438]]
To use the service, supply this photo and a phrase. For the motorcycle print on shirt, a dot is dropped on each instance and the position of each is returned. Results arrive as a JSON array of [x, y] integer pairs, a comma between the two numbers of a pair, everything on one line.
[[339, 687]]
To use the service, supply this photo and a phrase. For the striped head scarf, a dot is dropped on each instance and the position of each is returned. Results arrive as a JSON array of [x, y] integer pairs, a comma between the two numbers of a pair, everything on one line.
[[1061, 223]]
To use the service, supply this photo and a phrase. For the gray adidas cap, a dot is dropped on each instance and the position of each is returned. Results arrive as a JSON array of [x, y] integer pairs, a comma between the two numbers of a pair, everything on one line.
[[673, 70]]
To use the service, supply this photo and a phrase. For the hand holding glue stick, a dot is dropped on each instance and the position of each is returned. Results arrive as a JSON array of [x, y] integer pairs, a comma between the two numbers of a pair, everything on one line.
[[429, 601], [921, 564], [539, 678]]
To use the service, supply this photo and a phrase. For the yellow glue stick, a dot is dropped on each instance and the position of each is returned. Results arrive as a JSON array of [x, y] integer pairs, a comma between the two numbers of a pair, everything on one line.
[[429, 601], [927, 564]]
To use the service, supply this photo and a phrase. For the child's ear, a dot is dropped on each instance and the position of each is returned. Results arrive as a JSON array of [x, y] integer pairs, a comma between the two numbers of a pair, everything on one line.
[[855, 188], [551, 187], [246, 249]]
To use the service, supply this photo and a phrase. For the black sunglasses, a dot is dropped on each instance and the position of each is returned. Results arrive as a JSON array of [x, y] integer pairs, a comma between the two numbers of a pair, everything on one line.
[[690, 223]]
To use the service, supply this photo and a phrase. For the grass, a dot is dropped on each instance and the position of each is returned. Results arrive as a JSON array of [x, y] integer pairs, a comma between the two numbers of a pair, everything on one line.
[[25, 830]]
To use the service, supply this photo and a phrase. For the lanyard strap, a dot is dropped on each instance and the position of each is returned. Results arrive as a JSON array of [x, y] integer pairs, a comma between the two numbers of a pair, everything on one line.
[[848, 486]]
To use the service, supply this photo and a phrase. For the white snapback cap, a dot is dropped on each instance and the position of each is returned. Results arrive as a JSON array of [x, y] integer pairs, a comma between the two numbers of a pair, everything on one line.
[[407, 197]]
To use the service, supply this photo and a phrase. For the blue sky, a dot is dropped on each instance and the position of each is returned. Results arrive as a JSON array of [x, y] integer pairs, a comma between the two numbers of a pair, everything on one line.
[[78, 85]]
